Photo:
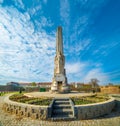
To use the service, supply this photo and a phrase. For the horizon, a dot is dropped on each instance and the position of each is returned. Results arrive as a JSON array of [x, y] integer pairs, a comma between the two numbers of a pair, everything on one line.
[[107, 84], [90, 37]]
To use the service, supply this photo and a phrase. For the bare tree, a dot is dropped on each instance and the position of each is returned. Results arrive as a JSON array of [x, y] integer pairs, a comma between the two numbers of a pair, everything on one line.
[[94, 82]]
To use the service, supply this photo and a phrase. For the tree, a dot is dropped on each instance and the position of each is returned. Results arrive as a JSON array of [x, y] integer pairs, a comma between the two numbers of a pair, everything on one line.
[[110, 84], [21, 89], [33, 84], [94, 84]]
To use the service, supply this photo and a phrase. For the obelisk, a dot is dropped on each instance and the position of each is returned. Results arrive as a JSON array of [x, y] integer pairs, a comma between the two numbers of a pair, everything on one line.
[[59, 81]]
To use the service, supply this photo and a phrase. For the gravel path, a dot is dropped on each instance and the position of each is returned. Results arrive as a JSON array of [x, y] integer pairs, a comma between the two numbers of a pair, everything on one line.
[[11, 120]]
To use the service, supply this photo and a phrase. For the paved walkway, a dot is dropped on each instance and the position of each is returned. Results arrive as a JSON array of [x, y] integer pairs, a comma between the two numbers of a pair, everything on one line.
[[49, 94], [11, 120]]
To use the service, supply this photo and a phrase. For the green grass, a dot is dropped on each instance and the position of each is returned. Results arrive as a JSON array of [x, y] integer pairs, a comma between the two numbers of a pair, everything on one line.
[[28, 100], [89, 99], [4, 93], [116, 96], [47, 100]]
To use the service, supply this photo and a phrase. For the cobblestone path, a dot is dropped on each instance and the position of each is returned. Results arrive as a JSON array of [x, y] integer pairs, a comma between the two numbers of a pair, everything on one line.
[[11, 120]]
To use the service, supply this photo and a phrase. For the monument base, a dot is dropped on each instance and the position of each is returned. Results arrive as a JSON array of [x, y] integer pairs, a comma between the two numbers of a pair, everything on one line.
[[64, 89]]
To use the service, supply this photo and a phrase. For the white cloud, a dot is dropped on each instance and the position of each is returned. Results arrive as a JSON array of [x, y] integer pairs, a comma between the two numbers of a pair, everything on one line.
[[65, 17], [80, 46], [81, 23], [45, 1], [32, 11], [19, 3], [84, 72], [74, 68], [1, 1], [105, 49], [46, 22], [25, 53], [96, 73], [64, 11]]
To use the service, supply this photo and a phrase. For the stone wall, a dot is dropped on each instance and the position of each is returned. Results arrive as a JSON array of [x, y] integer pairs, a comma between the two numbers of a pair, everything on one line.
[[117, 100], [110, 89], [44, 112], [94, 110], [5, 88], [25, 110]]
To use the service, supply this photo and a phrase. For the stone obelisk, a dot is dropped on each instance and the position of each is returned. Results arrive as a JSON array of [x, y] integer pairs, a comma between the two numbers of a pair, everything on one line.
[[59, 81]]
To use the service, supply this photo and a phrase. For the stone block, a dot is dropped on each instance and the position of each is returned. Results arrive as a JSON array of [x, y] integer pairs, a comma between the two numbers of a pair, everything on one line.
[[21, 113], [16, 112], [35, 115], [28, 114]]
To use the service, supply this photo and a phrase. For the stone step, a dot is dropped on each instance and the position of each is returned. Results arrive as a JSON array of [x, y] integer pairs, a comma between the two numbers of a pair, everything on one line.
[[61, 102], [61, 99], [61, 106], [64, 118], [64, 114], [62, 111]]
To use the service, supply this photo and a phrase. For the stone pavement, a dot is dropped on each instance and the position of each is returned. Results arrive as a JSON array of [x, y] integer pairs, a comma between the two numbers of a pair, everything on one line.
[[11, 120], [49, 94]]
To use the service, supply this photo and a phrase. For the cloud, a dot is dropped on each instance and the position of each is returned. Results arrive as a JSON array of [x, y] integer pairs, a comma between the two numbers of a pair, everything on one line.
[[97, 73], [81, 22], [19, 3], [79, 46], [1, 1], [85, 71], [65, 18], [105, 49], [65, 11], [45, 1], [35, 9], [27, 48], [73, 68], [26, 54], [75, 71]]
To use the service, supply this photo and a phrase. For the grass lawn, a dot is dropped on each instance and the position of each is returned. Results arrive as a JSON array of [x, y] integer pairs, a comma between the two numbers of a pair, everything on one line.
[[89, 99], [47, 100], [28, 100]]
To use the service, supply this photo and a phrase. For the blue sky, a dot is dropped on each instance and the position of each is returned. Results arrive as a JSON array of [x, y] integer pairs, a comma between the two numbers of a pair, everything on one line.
[[91, 38]]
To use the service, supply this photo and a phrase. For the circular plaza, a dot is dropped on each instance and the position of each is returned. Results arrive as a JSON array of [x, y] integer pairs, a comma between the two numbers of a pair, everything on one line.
[[57, 95]]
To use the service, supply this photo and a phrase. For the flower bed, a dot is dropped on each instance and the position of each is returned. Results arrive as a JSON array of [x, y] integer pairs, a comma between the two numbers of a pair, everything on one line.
[[30, 100], [89, 99]]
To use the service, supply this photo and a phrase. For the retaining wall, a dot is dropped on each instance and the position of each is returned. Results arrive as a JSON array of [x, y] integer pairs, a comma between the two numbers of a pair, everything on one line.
[[43, 112], [94, 110], [117, 100], [25, 110]]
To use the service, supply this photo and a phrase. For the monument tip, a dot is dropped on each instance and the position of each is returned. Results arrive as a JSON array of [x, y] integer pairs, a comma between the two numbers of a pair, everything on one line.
[[59, 27]]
